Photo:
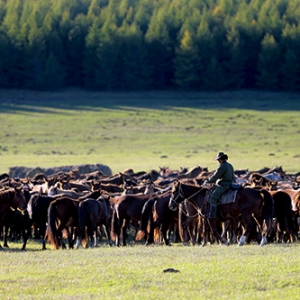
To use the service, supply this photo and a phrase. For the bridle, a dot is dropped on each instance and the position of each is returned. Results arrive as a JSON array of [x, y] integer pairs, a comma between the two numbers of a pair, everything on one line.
[[181, 195]]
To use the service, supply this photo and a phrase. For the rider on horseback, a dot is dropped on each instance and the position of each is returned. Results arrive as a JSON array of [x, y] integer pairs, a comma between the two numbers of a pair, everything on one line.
[[224, 177]]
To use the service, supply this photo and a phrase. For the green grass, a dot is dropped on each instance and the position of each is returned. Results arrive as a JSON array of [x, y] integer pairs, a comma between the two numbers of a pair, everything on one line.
[[136, 272], [148, 130], [144, 131]]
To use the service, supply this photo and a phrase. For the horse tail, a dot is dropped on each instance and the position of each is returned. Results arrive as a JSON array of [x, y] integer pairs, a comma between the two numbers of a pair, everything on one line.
[[146, 215], [268, 208], [114, 224], [51, 228], [157, 232]]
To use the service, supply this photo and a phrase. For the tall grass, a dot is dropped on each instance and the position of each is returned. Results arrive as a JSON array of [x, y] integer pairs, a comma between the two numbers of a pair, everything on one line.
[[148, 130]]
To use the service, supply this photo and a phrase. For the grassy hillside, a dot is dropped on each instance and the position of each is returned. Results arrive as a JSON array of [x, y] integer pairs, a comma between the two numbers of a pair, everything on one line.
[[149, 129]]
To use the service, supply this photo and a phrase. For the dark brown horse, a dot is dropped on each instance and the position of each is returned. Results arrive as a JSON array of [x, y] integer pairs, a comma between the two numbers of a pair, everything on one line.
[[64, 213], [158, 217], [283, 217], [125, 209], [91, 214], [38, 215], [250, 204], [11, 199]]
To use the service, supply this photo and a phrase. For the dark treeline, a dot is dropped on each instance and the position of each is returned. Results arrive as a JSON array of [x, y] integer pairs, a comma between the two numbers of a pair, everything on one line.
[[150, 44]]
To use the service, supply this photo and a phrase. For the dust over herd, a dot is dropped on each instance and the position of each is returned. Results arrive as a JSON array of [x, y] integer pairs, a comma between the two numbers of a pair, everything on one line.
[[84, 207]]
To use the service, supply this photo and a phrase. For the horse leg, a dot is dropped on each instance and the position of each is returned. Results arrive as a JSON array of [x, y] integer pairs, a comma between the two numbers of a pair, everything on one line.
[[45, 237], [248, 227], [165, 230], [79, 236], [92, 235], [126, 225], [5, 235], [185, 233], [213, 226], [107, 229], [72, 234]]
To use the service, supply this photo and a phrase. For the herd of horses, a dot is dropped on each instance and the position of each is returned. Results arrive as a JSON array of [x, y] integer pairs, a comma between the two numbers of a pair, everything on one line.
[[69, 209]]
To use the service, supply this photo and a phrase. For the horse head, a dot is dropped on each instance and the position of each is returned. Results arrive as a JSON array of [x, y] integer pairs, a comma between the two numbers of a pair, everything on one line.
[[19, 201], [177, 196]]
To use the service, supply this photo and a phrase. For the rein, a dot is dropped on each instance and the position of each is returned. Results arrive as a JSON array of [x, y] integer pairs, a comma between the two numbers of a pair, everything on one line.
[[181, 194]]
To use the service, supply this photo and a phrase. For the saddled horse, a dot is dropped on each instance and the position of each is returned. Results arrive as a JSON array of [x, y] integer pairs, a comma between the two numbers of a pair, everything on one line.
[[91, 214], [64, 213], [250, 204], [11, 199]]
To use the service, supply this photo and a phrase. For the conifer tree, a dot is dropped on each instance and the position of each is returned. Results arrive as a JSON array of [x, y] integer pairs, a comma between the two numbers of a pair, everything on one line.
[[90, 59], [160, 49], [290, 71], [54, 74], [4, 60], [269, 64], [187, 65]]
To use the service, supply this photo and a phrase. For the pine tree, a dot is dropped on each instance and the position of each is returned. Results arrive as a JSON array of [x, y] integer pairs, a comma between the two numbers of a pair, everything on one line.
[[187, 65], [54, 74], [235, 66], [269, 64], [4, 60], [90, 59], [214, 76], [290, 71], [160, 49]]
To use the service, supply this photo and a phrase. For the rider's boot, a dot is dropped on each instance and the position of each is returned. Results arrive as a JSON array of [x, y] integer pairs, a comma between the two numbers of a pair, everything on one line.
[[212, 212]]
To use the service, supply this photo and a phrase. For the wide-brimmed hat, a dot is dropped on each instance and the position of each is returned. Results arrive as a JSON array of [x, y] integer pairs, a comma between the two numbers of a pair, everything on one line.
[[221, 155]]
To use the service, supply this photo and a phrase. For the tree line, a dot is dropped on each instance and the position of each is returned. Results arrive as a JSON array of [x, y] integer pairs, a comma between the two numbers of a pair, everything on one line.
[[150, 44]]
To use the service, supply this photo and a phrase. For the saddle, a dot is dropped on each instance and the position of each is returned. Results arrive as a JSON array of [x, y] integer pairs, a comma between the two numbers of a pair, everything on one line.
[[227, 197], [230, 195]]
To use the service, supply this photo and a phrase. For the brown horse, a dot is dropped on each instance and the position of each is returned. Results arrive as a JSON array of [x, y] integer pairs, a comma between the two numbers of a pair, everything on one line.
[[64, 212], [250, 203], [156, 215], [37, 208], [11, 199], [125, 209], [283, 217], [91, 214]]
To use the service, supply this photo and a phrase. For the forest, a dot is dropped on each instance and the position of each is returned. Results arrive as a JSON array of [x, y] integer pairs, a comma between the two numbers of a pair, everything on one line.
[[106, 45]]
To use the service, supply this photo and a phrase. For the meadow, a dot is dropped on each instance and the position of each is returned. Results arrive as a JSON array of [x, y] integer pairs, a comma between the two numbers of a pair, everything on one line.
[[148, 130], [136, 272], [144, 131]]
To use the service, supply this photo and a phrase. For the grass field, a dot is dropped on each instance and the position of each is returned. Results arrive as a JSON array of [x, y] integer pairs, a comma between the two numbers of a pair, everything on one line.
[[136, 272], [149, 130], [144, 131]]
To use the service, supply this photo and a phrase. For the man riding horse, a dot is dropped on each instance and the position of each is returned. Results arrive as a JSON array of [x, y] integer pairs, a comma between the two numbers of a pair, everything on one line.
[[223, 177]]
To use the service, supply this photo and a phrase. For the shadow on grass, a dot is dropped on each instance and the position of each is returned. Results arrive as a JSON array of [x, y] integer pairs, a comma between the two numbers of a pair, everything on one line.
[[12, 101]]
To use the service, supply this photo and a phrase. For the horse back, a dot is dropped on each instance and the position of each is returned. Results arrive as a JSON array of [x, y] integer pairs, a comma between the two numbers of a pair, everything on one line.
[[131, 205]]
